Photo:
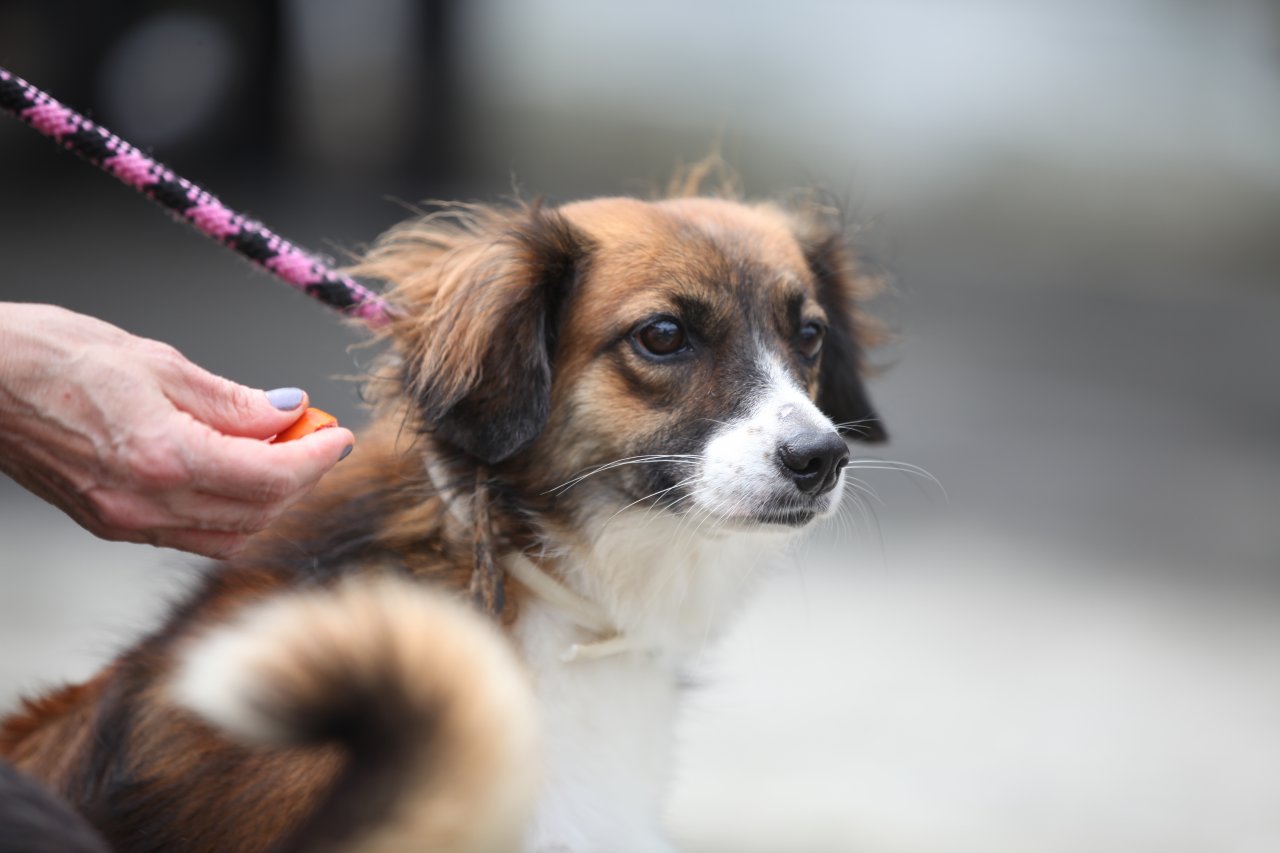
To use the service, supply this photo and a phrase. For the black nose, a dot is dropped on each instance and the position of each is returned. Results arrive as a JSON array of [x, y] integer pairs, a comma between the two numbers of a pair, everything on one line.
[[813, 459]]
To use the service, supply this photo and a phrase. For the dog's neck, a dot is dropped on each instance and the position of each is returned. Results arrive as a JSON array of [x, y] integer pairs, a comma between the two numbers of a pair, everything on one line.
[[636, 580], [657, 581], [576, 610], [613, 605]]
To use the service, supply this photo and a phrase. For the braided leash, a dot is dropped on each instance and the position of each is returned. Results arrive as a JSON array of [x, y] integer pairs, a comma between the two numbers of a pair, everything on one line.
[[252, 240], [488, 587]]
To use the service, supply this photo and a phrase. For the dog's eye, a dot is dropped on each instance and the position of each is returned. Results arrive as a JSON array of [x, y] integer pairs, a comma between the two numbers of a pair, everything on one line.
[[663, 336], [810, 339]]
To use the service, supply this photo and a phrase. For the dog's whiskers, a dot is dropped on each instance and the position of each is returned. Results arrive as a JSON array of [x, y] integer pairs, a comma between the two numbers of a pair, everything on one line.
[[869, 464], [853, 427], [864, 487], [658, 494], [678, 458]]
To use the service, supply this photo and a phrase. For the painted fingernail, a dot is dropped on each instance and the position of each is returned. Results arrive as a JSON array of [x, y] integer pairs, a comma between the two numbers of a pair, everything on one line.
[[346, 452], [285, 399]]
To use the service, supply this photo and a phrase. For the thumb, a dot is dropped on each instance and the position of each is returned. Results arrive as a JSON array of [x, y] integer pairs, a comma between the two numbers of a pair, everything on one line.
[[234, 409]]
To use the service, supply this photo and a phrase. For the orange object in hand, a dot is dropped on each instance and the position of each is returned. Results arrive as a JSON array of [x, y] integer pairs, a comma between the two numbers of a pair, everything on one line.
[[311, 420]]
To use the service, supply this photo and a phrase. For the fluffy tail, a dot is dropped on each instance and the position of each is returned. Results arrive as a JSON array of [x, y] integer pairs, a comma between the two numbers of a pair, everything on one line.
[[435, 715]]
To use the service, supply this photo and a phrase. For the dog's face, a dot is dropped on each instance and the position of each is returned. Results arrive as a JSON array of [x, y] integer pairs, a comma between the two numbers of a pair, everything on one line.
[[691, 354]]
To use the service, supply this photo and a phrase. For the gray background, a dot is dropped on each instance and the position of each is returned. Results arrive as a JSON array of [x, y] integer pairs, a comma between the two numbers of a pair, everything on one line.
[[1077, 647]]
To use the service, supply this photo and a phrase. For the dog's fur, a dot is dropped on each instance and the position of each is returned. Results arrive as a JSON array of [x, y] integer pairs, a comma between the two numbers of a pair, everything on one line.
[[648, 485]]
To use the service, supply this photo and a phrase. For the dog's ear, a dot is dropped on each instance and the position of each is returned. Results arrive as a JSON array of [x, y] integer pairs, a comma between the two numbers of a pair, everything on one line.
[[841, 285], [480, 326]]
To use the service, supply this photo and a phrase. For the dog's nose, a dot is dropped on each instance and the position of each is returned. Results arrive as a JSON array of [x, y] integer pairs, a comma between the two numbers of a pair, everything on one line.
[[813, 459]]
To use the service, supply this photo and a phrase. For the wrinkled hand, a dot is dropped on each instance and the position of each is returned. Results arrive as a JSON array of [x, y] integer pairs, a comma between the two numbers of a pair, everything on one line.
[[138, 444]]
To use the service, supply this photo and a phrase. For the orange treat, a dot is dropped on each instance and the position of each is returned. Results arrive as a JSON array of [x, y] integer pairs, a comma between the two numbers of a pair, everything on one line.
[[311, 420]]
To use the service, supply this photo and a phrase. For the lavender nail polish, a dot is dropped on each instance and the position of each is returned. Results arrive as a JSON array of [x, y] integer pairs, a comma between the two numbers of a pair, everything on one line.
[[285, 399], [346, 452]]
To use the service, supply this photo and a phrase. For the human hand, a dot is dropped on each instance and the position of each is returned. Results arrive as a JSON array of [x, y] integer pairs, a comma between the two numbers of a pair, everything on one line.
[[138, 444]]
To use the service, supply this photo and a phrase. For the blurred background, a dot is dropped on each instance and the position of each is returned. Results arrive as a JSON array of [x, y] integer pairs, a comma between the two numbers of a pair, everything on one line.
[[1075, 647]]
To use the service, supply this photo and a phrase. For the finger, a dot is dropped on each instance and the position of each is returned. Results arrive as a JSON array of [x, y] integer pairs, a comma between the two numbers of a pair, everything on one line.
[[200, 511], [188, 511], [231, 408], [258, 472], [206, 543], [127, 517]]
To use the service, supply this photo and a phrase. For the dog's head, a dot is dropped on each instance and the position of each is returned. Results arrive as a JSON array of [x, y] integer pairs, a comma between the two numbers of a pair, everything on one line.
[[697, 355]]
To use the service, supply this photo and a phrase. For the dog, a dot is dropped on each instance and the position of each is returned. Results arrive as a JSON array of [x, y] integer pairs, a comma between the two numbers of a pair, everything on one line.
[[598, 422]]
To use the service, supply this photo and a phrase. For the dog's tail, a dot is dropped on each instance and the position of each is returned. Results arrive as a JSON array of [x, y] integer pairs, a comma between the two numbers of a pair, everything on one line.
[[434, 713]]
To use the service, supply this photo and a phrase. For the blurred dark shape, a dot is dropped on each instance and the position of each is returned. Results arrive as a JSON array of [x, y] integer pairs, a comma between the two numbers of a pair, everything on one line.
[[167, 78], [370, 86], [34, 820], [254, 89], [92, 56]]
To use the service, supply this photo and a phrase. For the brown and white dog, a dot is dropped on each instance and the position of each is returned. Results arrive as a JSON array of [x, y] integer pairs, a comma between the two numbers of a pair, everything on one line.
[[630, 406]]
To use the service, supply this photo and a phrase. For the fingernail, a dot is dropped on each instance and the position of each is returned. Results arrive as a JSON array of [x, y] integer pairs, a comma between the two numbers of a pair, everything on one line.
[[285, 399], [346, 452]]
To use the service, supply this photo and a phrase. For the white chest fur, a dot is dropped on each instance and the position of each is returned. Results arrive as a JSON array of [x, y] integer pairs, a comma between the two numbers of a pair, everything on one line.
[[608, 721], [606, 731]]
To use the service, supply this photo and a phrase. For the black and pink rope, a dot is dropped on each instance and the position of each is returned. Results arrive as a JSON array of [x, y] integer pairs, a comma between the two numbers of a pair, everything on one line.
[[251, 239]]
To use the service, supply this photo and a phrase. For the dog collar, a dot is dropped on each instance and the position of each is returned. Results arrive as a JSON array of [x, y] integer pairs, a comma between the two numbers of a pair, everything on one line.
[[581, 611]]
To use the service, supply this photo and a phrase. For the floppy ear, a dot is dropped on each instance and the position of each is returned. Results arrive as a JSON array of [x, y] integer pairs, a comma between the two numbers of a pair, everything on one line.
[[479, 332], [841, 395]]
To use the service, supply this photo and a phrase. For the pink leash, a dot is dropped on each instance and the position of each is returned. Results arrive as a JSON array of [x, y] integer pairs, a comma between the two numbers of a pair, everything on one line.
[[188, 202]]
